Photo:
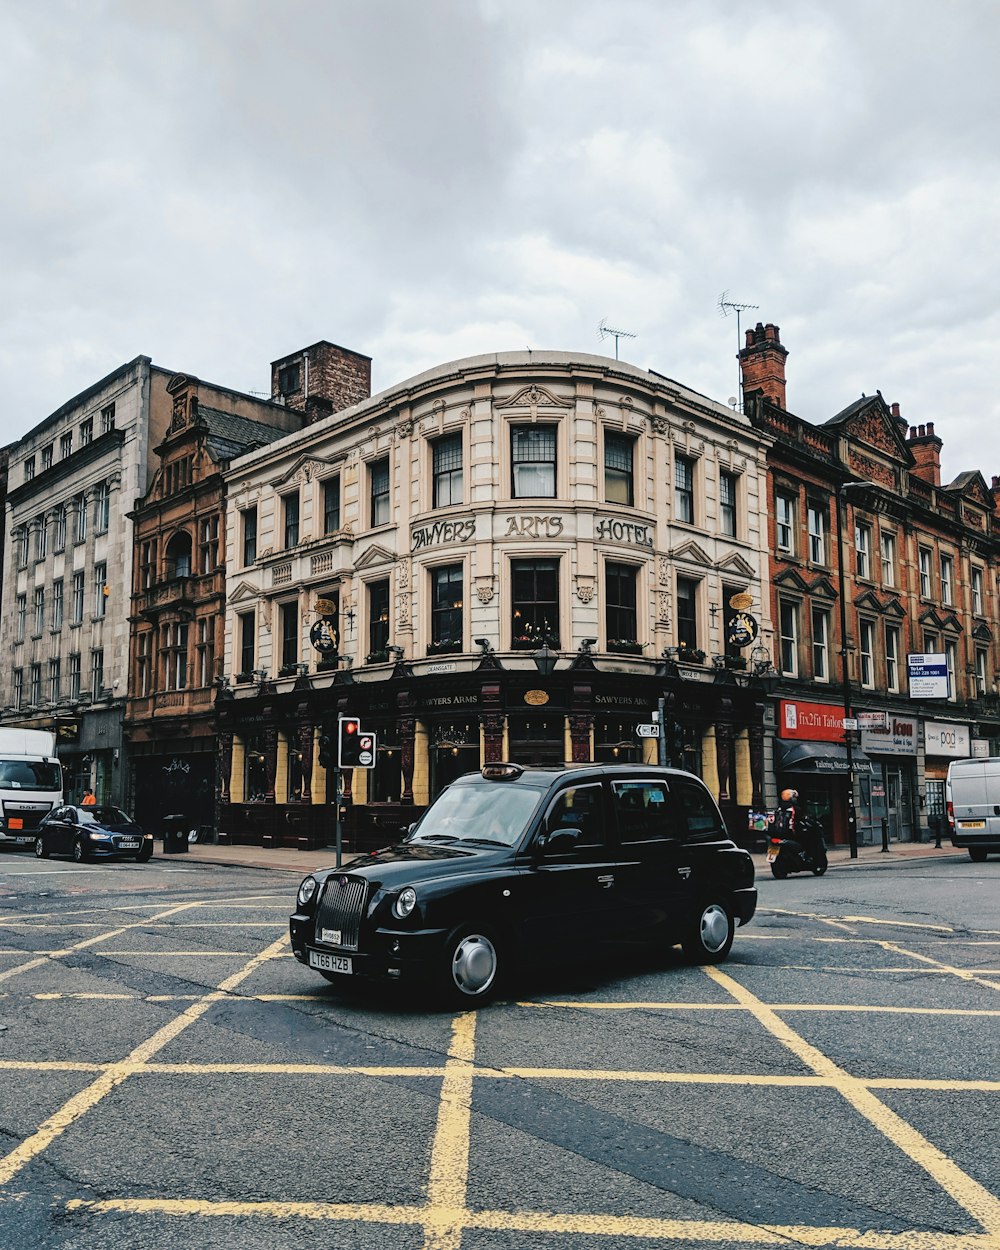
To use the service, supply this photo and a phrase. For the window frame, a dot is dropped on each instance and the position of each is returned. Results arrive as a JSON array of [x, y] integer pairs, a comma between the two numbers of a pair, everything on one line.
[[866, 653], [526, 433], [893, 641], [329, 487], [379, 500], [621, 616], [887, 557], [382, 623], [977, 584], [688, 617], [816, 529], [925, 576], [684, 487], [291, 518], [526, 631], [820, 643], [788, 636], [619, 477], [729, 508], [863, 550], [248, 535], [452, 615], [785, 508], [450, 475], [947, 579]]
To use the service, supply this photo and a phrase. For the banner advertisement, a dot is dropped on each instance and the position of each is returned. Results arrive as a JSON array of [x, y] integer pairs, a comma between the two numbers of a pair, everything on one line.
[[928, 675], [950, 740], [897, 737]]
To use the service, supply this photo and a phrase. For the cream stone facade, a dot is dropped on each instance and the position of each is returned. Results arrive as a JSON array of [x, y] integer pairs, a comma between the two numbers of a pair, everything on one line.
[[459, 533]]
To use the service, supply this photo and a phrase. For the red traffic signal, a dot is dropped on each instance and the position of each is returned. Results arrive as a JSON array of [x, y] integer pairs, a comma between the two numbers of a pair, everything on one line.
[[349, 732]]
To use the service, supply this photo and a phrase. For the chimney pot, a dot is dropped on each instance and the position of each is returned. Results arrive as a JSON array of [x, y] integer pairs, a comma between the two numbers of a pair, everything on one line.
[[894, 409], [930, 428], [913, 431]]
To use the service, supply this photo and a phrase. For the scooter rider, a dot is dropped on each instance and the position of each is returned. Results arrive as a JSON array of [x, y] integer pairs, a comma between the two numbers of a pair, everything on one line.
[[792, 821]]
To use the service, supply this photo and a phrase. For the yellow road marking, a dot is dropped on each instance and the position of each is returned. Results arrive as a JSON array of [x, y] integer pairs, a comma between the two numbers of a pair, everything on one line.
[[725, 1232], [682, 1006], [85, 942], [449, 1171], [87, 1098], [149, 924], [965, 974], [968, 1193]]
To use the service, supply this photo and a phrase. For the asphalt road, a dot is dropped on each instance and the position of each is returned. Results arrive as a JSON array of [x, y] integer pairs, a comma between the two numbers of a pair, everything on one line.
[[171, 1076]]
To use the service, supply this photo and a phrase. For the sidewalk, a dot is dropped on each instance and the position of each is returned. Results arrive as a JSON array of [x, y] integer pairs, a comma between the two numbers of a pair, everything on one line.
[[287, 859]]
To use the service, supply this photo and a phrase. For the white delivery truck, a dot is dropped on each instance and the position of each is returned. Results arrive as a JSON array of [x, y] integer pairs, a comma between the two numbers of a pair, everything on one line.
[[972, 795], [31, 783]]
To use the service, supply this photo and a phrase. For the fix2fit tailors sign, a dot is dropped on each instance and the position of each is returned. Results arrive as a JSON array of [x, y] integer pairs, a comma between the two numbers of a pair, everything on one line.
[[812, 722]]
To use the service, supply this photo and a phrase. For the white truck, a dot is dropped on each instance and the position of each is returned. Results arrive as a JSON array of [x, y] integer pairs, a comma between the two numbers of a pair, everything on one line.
[[31, 783], [972, 796]]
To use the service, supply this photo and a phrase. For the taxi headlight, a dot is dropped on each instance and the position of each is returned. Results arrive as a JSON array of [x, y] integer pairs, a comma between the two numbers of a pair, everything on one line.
[[306, 890], [404, 903]]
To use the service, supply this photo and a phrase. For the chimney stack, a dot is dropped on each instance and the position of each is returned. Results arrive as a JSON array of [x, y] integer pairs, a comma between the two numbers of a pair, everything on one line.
[[926, 448], [321, 379], [762, 363]]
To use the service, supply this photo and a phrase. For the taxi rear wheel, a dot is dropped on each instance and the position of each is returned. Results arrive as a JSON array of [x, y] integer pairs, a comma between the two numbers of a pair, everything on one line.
[[709, 933], [471, 967]]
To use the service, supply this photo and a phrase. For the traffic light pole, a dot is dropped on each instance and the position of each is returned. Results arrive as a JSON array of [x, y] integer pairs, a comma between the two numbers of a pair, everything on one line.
[[337, 824]]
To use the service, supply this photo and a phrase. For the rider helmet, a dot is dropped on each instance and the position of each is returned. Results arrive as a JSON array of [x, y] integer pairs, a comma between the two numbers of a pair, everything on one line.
[[789, 796]]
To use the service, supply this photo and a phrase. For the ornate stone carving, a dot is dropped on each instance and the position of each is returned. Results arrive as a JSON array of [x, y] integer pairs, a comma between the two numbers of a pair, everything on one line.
[[585, 591], [404, 429], [660, 425], [403, 610], [403, 575], [663, 607], [663, 571], [484, 589], [870, 428], [874, 470]]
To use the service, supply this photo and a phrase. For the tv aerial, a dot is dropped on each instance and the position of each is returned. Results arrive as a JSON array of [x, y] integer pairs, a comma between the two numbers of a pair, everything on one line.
[[727, 306], [605, 331]]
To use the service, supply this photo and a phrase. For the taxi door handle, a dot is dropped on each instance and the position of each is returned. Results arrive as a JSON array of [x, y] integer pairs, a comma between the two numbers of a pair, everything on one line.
[[607, 880]]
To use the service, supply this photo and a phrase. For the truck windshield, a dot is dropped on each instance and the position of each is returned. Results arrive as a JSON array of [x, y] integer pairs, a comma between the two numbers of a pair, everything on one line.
[[485, 811], [29, 775]]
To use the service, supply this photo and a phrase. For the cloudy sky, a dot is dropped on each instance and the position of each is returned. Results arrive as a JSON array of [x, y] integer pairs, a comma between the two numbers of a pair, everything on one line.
[[216, 183]]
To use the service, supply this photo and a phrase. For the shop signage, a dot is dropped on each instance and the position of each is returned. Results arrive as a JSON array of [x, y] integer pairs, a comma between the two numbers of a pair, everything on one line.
[[323, 636], [980, 748], [898, 737], [621, 700], [536, 698], [873, 720], [815, 722], [928, 675], [613, 530], [451, 700], [950, 740], [448, 667], [459, 531], [648, 731]]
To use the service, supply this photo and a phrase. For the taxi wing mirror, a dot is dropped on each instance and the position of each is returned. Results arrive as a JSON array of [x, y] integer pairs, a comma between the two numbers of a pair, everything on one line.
[[559, 841]]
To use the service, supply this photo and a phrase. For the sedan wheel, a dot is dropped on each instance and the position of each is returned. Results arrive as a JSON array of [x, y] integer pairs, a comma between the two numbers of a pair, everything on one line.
[[472, 968], [79, 854], [40, 851], [710, 933]]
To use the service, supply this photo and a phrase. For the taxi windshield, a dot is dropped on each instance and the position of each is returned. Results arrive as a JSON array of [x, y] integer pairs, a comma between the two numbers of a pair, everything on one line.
[[480, 813]]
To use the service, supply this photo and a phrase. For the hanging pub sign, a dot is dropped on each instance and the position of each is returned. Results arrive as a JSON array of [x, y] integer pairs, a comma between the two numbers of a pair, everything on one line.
[[741, 629], [323, 636]]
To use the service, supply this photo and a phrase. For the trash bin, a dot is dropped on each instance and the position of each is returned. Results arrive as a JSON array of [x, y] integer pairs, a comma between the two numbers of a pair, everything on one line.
[[174, 835]]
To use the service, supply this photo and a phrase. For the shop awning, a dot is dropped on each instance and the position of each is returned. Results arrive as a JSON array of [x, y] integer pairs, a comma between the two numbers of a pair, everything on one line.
[[819, 758]]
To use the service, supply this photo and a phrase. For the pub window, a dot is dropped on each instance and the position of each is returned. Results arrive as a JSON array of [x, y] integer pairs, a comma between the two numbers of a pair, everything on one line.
[[684, 489], [246, 641], [447, 601], [727, 503], [289, 635], [788, 618], [687, 612], [378, 479], [290, 519], [533, 461], [378, 621], [618, 483], [248, 522], [254, 770], [331, 505], [447, 469], [534, 603], [619, 608]]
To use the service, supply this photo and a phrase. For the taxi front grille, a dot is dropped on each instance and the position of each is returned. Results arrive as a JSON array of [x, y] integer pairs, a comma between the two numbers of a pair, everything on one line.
[[341, 907]]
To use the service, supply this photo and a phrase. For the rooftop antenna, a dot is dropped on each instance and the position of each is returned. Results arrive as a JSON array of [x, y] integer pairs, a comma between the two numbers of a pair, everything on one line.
[[727, 306], [606, 332]]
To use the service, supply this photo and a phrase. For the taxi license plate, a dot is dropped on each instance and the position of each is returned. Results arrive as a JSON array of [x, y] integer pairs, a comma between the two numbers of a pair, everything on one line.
[[21, 841], [972, 824], [330, 963], [130, 845], [772, 856]]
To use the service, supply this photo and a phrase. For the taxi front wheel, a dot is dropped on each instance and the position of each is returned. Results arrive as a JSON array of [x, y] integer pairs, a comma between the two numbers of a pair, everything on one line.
[[471, 967], [710, 932]]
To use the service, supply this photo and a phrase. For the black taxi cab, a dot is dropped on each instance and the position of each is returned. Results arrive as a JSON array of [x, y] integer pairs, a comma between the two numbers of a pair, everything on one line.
[[515, 863]]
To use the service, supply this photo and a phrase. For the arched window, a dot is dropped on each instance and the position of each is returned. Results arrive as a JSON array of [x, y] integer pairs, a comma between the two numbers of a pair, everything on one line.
[[178, 555]]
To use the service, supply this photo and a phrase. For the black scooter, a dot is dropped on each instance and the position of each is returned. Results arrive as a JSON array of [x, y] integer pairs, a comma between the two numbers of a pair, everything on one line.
[[785, 855]]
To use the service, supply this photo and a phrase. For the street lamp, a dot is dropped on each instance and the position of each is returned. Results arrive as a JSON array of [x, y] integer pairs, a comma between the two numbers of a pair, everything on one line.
[[845, 678], [545, 659]]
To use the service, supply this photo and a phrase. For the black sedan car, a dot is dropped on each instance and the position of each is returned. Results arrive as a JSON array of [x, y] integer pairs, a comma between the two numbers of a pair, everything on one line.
[[529, 864], [95, 832]]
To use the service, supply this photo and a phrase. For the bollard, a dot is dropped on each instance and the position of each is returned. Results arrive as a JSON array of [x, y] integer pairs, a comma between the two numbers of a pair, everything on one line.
[[885, 833]]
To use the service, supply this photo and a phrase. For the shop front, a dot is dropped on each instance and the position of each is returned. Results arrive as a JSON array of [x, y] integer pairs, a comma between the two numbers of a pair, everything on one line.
[[889, 792], [944, 741]]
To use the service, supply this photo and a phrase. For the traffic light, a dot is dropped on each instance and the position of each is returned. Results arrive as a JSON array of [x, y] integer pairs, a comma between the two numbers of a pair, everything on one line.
[[325, 750], [674, 734], [349, 728]]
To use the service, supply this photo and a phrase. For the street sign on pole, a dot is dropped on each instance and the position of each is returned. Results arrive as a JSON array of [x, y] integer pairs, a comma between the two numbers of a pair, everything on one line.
[[850, 722], [647, 731], [873, 720]]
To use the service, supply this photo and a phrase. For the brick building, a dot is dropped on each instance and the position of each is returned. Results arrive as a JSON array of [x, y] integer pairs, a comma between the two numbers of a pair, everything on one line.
[[873, 559]]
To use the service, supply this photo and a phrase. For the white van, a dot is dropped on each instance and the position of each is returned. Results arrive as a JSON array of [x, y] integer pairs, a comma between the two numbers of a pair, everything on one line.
[[972, 793], [31, 783]]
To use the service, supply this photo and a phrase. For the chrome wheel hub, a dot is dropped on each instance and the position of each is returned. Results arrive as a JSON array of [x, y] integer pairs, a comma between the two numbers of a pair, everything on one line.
[[714, 927], [474, 964]]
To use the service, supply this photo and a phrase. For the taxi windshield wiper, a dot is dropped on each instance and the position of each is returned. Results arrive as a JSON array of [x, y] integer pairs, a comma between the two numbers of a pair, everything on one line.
[[435, 837], [485, 841]]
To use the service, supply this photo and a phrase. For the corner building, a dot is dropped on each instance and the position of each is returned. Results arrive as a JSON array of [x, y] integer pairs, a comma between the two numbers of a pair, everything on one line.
[[513, 556]]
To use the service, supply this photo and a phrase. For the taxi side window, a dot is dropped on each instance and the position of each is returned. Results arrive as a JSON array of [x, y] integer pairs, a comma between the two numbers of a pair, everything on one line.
[[579, 807], [700, 813], [642, 809]]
